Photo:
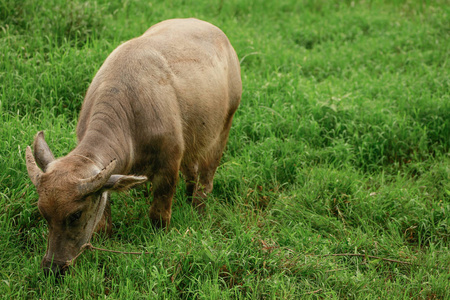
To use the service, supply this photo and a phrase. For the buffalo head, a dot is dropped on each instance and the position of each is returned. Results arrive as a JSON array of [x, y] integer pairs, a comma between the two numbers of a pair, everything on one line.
[[73, 192]]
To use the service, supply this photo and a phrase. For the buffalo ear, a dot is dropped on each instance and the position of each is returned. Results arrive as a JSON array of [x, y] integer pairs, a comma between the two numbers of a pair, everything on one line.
[[42, 152], [123, 182]]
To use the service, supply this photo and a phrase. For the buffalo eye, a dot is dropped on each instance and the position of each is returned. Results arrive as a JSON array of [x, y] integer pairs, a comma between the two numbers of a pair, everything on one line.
[[75, 217]]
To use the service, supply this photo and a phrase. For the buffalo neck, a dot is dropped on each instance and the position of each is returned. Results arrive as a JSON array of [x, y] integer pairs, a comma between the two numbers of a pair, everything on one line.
[[107, 137]]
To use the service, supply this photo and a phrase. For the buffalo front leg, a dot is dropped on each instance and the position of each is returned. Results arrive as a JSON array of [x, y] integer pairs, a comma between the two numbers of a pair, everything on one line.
[[164, 184]]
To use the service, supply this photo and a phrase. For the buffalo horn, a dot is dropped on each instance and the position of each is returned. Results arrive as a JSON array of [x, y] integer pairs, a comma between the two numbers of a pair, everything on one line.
[[96, 182]]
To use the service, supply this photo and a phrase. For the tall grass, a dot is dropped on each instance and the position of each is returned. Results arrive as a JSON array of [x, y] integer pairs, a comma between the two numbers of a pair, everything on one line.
[[341, 145]]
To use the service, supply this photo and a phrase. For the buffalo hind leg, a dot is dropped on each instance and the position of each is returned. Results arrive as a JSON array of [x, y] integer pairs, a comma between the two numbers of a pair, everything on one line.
[[208, 167]]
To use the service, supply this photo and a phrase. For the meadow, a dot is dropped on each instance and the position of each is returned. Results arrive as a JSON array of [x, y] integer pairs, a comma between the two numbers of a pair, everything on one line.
[[336, 179]]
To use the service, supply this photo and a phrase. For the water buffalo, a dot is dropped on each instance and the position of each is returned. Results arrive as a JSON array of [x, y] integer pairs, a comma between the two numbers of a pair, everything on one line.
[[160, 103]]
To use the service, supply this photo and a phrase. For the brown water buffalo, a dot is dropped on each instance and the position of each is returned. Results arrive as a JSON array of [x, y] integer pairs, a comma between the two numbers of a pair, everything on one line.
[[160, 103]]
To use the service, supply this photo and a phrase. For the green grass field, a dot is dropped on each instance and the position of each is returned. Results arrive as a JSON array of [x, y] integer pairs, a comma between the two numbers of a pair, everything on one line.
[[340, 147]]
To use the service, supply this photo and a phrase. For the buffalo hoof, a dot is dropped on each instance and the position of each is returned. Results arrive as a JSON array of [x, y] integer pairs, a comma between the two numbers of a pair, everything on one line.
[[199, 206], [58, 269], [198, 203], [160, 224], [159, 219]]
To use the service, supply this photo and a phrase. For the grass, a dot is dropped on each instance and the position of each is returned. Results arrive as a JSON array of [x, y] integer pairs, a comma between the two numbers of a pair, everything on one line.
[[341, 145]]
